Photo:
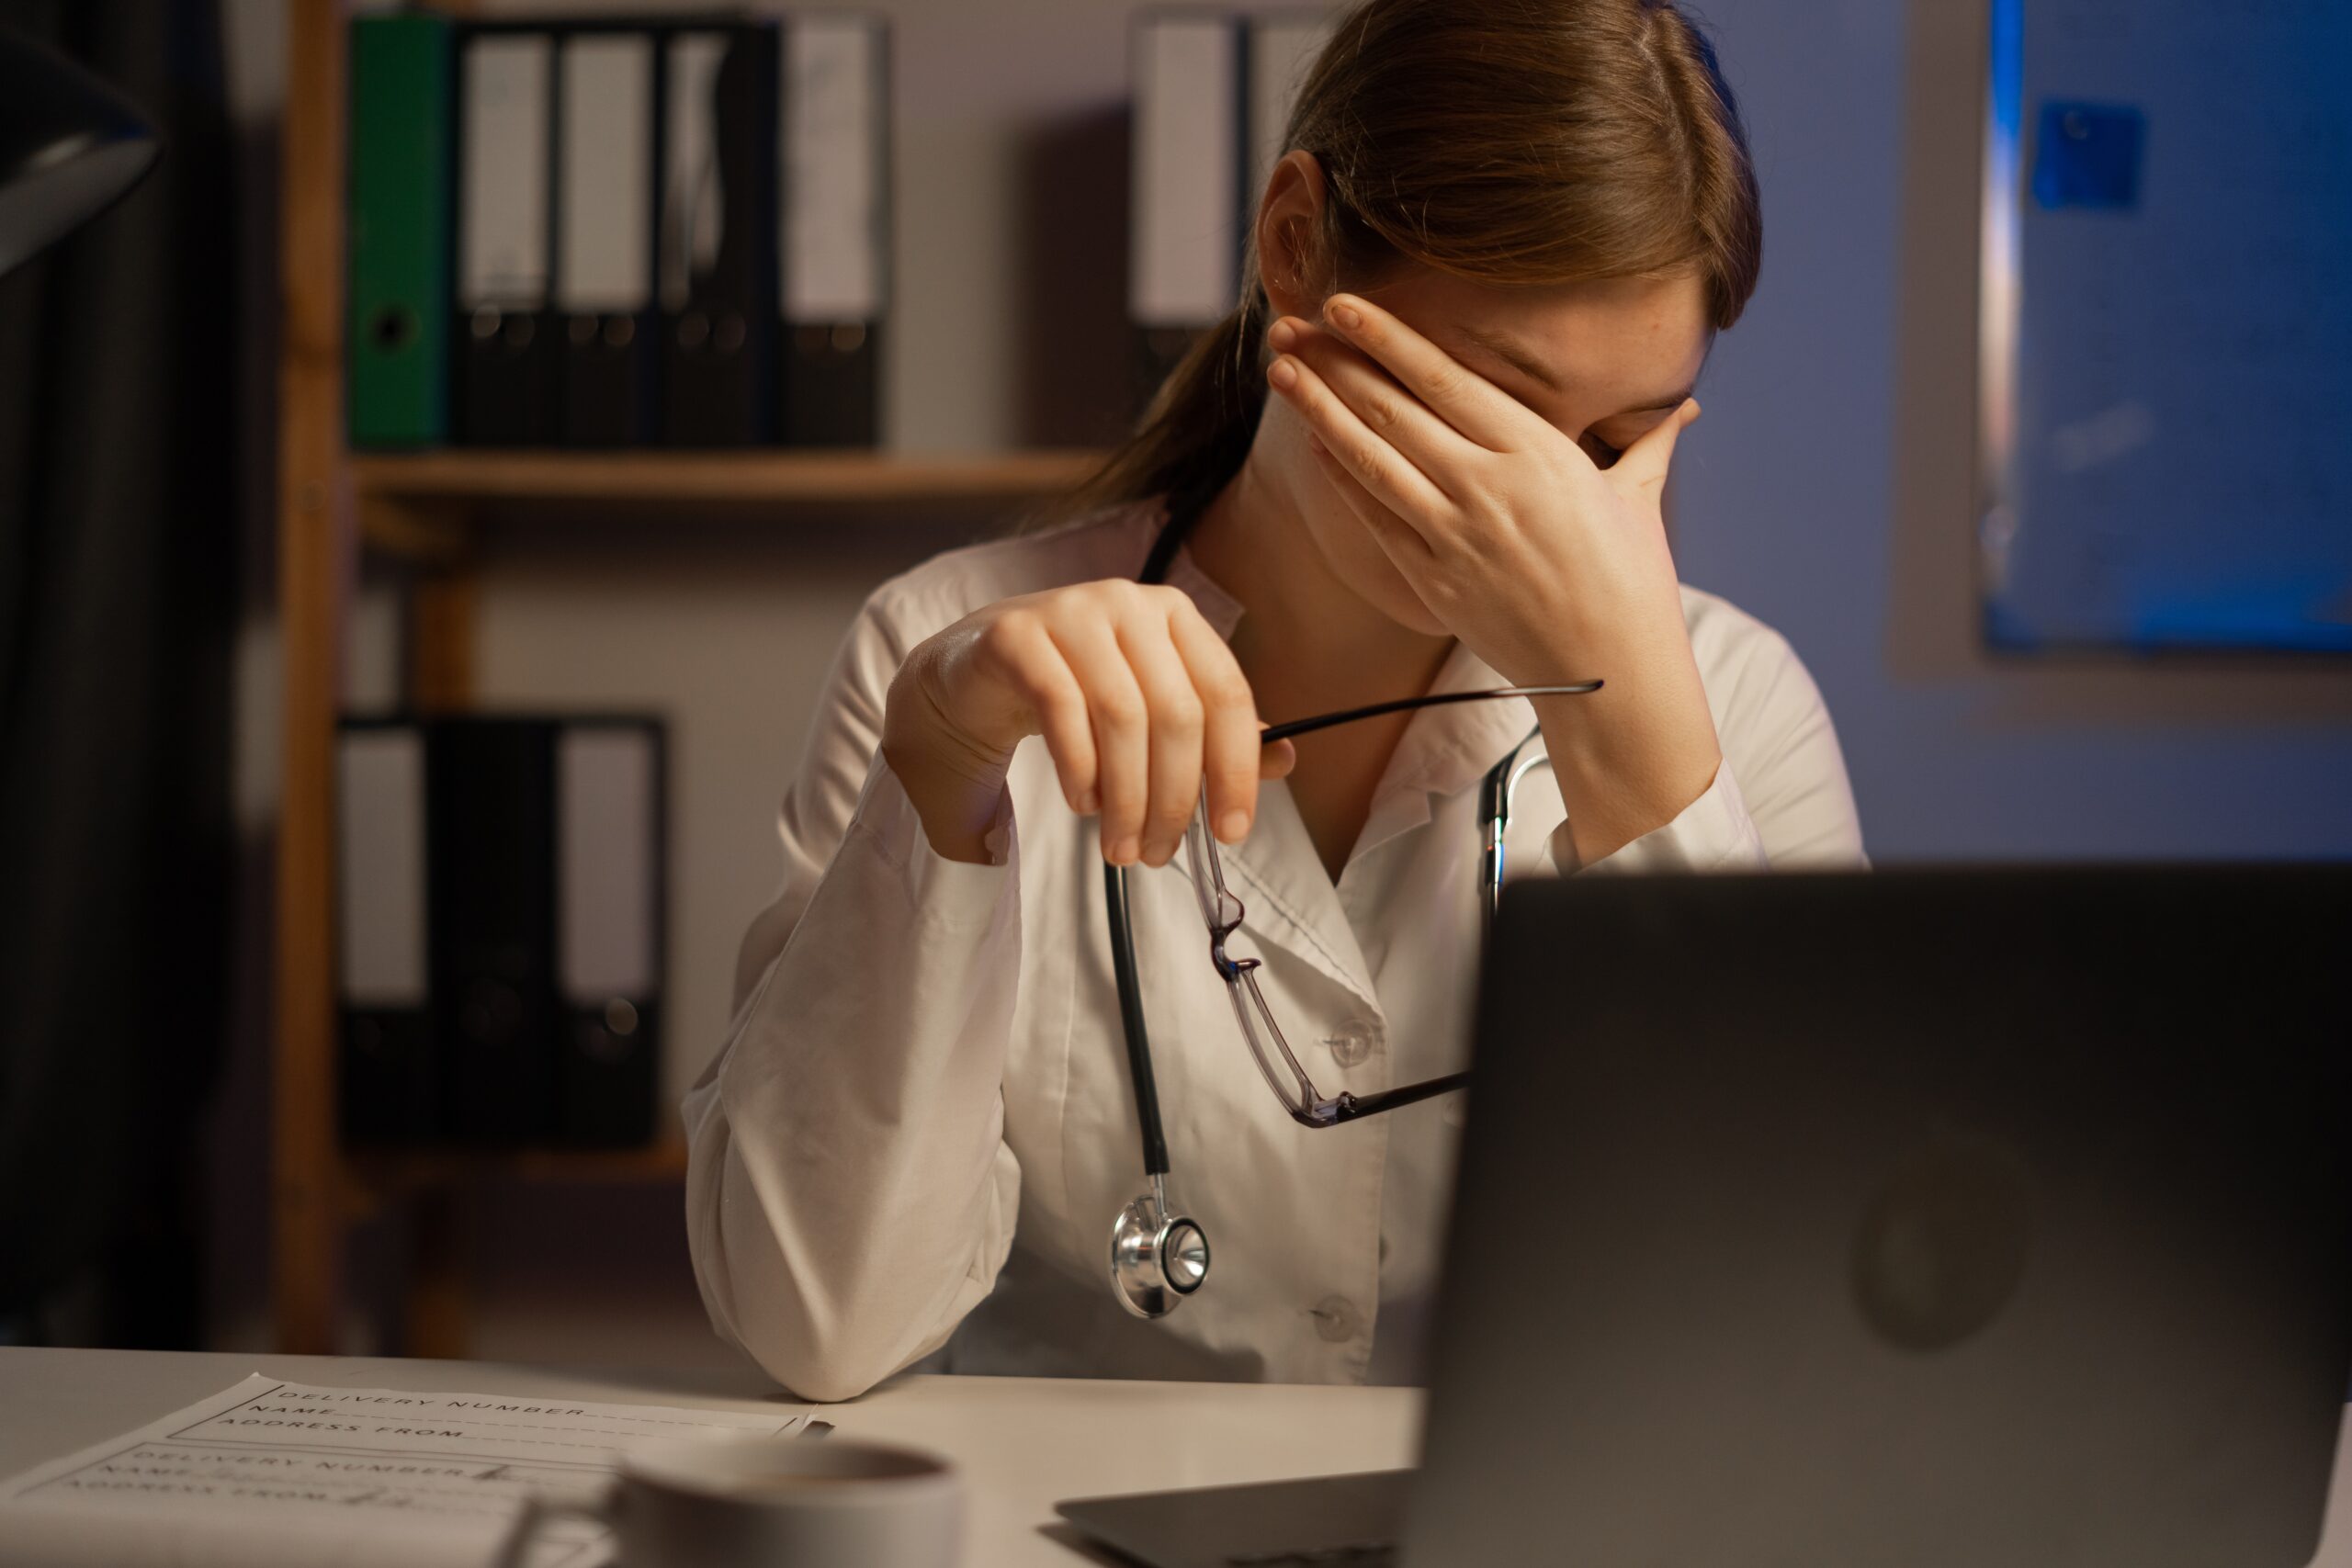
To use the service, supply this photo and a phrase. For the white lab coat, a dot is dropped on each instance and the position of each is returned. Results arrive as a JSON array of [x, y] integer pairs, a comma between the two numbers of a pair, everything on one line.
[[922, 1124]]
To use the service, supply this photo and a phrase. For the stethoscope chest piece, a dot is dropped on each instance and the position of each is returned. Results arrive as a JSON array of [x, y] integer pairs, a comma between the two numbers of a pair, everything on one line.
[[1158, 1256]]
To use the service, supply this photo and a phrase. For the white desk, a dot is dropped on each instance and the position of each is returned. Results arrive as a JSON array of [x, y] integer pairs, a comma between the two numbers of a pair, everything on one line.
[[1022, 1443]]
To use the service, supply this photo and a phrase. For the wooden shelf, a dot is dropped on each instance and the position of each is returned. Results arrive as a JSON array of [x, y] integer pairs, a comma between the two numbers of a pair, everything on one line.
[[431, 509], [724, 477]]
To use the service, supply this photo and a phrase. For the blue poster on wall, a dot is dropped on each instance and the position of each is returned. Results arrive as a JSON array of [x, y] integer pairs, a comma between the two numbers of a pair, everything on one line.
[[2167, 330]]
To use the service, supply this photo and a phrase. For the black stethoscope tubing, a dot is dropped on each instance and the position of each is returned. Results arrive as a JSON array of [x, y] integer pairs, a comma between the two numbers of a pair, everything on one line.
[[1183, 511], [1160, 1255]]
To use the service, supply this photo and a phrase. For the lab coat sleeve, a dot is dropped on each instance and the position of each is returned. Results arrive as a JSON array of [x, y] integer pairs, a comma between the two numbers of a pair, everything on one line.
[[1780, 797], [849, 1192]]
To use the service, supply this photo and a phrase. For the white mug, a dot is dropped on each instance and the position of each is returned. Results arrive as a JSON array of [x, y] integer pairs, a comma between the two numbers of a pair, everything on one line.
[[760, 1502]]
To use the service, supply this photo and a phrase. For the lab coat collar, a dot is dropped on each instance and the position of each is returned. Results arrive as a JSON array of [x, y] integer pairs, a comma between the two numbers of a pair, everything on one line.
[[1444, 751]]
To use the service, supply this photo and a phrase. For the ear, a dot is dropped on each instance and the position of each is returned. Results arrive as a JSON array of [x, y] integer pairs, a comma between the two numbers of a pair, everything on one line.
[[1289, 234]]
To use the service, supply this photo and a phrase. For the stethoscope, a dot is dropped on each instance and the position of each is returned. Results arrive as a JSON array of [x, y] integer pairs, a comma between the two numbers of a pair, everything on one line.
[[1158, 1254]]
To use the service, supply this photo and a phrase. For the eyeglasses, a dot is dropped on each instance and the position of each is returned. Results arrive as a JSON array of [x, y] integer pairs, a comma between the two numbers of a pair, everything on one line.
[[1160, 1255], [1222, 912]]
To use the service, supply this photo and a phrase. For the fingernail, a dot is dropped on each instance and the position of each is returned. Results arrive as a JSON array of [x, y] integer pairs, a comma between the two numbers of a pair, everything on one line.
[[1282, 334], [1314, 441], [1347, 316], [1283, 373], [1124, 852], [1233, 827]]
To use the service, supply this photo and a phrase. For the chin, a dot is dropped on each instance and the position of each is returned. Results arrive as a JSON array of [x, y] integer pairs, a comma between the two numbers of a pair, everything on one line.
[[1356, 559], [1404, 606]]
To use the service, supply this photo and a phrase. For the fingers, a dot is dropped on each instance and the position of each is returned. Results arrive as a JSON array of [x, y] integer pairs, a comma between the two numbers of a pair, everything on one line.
[[1037, 665], [1359, 450], [1643, 463], [1385, 407], [1404, 544], [1120, 720], [1175, 723], [1138, 699], [1230, 755], [1467, 401]]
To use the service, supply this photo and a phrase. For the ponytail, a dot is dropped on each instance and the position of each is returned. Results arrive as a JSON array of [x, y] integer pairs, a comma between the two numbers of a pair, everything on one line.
[[1197, 429]]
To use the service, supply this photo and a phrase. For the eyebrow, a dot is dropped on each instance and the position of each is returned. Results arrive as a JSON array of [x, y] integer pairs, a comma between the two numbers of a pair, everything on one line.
[[1517, 358]]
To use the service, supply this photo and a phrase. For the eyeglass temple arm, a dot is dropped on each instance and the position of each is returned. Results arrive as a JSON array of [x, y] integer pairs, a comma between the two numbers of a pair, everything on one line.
[[1355, 1108], [1275, 732], [1123, 970]]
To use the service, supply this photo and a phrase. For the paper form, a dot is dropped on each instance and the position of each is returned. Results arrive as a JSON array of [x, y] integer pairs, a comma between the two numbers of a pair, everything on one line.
[[270, 1472]]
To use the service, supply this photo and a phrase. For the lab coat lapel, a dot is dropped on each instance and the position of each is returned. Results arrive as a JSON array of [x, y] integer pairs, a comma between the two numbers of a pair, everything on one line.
[[1276, 873], [1443, 750], [1288, 900]]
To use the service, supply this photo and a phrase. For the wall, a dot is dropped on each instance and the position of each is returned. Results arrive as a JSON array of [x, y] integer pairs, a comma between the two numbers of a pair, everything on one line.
[[1825, 490], [1829, 489]]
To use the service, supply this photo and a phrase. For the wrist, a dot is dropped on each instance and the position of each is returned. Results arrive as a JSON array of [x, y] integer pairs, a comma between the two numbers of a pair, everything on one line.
[[1627, 768], [956, 784]]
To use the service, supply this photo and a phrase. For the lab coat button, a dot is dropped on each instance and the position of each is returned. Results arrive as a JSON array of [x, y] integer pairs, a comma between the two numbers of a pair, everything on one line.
[[1335, 1318], [1351, 1046]]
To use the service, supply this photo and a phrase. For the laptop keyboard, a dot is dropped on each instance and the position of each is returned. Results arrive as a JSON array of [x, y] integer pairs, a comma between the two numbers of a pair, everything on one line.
[[1364, 1554]]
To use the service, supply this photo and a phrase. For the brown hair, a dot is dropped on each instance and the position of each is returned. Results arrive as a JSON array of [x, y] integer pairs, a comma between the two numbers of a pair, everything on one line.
[[1503, 141]]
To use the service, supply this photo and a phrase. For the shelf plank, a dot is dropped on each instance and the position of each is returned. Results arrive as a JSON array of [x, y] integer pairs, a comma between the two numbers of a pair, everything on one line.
[[722, 477]]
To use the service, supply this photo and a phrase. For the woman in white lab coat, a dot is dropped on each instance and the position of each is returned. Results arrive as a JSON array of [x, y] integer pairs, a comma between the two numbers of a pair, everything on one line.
[[1427, 450]]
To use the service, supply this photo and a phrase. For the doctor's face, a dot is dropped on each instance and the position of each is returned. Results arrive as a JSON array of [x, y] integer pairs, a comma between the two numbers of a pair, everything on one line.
[[1600, 363]]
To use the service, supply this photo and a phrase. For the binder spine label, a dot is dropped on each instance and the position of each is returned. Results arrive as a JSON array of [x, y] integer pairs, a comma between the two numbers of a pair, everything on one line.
[[385, 1086], [694, 202], [606, 814], [507, 386], [833, 147], [379, 826], [717, 269], [605, 263], [608, 929], [502, 262]]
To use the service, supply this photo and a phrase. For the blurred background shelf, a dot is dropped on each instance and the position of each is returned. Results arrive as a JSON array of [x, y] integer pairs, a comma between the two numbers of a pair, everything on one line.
[[739, 479], [423, 507], [431, 513]]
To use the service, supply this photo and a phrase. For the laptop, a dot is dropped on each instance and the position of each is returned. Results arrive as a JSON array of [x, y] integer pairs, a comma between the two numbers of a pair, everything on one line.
[[1929, 1218]]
